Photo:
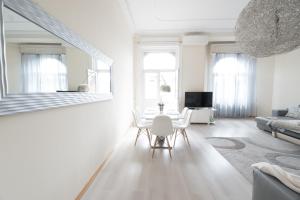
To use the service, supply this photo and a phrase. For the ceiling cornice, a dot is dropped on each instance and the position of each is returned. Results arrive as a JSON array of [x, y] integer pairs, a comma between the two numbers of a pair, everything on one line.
[[128, 15], [195, 39], [194, 19], [183, 31]]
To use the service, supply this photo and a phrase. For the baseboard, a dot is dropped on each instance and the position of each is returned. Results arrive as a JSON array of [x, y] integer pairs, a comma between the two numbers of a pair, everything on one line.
[[93, 177], [99, 169]]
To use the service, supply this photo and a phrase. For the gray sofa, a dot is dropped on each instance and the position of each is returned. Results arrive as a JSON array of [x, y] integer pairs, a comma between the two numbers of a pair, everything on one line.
[[266, 187], [281, 121]]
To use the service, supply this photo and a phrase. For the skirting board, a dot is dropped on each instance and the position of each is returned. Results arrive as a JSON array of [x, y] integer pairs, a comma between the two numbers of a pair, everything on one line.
[[93, 177], [99, 169]]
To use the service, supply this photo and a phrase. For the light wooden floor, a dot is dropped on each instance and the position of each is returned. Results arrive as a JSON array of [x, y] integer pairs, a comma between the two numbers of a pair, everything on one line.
[[199, 173]]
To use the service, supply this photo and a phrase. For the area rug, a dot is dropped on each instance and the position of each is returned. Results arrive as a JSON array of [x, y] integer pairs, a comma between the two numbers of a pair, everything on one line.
[[261, 147]]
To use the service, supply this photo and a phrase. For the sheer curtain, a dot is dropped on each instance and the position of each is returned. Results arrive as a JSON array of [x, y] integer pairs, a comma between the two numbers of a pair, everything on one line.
[[44, 73], [232, 80]]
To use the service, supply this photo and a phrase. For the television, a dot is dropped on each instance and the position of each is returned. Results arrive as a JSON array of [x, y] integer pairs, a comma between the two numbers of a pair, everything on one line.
[[198, 99]]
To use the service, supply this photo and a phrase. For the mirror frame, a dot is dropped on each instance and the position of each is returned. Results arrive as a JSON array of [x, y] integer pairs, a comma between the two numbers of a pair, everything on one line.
[[17, 103]]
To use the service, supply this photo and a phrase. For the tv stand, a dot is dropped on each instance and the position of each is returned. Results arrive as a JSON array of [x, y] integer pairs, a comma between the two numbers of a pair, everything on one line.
[[202, 116]]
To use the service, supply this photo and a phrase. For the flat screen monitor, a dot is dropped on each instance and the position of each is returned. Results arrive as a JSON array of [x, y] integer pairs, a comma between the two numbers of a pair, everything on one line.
[[198, 99]]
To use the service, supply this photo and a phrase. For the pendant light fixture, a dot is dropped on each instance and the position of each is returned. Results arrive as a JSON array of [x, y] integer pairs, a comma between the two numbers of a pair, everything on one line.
[[268, 27]]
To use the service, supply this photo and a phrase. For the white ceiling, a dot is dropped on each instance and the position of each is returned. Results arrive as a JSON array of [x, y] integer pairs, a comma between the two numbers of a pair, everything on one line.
[[182, 16]]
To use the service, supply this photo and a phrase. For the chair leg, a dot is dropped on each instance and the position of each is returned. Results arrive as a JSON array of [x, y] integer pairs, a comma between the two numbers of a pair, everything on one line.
[[182, 133], [149, 136], [175, 137], [185, 135], [169, 147], [137, 135], [174, 132], [274, 134], [156, 139]]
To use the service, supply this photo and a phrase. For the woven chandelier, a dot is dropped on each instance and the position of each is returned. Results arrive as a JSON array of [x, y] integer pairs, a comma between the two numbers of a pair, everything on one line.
[[268, 27]]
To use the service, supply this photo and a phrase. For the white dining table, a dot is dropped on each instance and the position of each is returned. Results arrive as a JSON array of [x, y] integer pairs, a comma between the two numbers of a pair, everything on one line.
[[150, 115]]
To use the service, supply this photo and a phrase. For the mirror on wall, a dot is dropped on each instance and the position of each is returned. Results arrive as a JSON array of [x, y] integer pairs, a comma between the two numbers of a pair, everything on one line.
[[37, 61]]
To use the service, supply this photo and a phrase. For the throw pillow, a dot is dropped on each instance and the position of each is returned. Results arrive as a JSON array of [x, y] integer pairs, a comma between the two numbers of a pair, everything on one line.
[[293, 112]]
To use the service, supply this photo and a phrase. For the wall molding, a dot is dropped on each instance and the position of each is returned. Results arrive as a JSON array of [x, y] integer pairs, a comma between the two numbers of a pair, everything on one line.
[[128, 14]]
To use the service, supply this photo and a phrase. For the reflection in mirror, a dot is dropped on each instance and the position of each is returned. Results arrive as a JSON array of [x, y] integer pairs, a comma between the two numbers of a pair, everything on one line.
[[39, 62], [103, 77]]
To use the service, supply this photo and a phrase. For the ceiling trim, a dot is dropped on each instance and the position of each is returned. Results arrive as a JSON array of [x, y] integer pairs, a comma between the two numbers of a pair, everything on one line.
[[202, 39], [128, 14], [182, 31], [194, 19]]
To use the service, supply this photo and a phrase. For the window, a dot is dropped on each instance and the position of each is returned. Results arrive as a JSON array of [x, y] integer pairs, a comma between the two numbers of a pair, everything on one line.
[[43, 73], [160, 75], [100, 77], [233, 84]]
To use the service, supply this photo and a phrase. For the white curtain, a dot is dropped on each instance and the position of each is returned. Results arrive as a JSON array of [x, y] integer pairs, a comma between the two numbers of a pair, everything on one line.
[[44, 73], [232, 80]]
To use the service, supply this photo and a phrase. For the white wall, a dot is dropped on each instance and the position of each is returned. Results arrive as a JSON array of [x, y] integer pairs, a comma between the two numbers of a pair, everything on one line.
[[51, 154], [264, 85], [194, 59], [14, 71], [277, 82], [287, 80]]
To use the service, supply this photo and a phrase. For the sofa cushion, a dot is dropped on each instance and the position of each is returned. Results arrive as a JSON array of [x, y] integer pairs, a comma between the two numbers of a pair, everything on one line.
[[293, 112], [292, 125], [292, 181], [267, 187]]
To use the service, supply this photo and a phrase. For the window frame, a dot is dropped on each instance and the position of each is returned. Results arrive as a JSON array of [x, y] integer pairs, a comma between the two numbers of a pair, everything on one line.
[[175, 49], [96, 71]]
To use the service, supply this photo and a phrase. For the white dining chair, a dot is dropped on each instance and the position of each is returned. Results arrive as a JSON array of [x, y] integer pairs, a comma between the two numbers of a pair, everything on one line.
[[181, 118], [143, 127], [184, 112], [162, 128], [180, 127]]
